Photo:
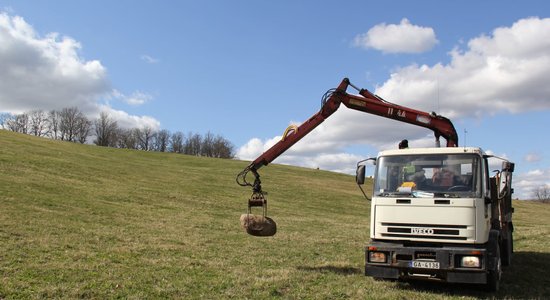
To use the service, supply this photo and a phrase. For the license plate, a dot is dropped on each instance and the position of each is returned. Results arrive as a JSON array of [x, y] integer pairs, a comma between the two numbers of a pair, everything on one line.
[[425, 264]]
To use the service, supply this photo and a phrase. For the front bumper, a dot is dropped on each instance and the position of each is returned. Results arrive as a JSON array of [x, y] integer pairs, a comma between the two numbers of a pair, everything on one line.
[[443, 262]]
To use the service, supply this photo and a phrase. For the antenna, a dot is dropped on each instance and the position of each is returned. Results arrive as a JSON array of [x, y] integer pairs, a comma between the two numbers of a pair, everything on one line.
[[438, 107], [465, 132]]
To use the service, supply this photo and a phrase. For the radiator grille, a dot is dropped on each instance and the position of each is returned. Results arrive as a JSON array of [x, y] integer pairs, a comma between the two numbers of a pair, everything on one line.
[[423, 231]]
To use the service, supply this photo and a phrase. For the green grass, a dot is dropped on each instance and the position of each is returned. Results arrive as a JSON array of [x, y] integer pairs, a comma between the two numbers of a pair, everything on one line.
[[79, 221]]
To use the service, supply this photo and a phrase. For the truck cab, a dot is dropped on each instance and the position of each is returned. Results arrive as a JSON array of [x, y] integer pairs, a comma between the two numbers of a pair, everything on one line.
[[437, 214]]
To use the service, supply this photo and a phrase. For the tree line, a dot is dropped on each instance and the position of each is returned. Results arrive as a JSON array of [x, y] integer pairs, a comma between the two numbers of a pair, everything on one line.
[[542, 194], [70, 124]]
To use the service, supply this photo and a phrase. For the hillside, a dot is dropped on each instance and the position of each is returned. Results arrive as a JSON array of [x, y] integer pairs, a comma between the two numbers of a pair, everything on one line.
[[80, 221]]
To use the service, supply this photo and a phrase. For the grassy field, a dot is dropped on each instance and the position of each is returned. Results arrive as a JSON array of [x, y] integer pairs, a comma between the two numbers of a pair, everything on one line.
[[79, 221]]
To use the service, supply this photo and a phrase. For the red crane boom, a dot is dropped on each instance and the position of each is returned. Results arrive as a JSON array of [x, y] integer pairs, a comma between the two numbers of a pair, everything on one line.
[[366, 102]]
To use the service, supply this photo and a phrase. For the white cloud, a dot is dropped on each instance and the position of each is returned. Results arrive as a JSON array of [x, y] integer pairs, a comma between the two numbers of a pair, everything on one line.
[[525, 184], [495, 74], [149, 59], [48, 72], [7, 9], [327, 156], [535, 173], [254, 148], [504, 72], [337, 162], [532, 157], [398, 38], [495, 163], [138, 98], [125, 120]]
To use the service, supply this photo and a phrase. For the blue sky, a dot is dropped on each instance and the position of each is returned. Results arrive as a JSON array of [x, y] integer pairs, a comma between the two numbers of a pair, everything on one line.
[[248, 69]]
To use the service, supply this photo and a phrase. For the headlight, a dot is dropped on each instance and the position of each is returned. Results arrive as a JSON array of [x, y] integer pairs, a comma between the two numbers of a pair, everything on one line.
[[470, 262], [377, 257]]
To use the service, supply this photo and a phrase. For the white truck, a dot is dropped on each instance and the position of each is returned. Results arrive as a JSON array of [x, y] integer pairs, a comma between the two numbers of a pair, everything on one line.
[[436, 213]]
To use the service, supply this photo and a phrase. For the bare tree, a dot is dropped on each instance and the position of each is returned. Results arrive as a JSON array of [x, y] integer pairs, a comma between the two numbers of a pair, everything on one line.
[[38, 122], [68, 123], [176, 142], [162, 139], [192, 145], [84, 127], [19, 123], [53, 124], [5, 118], [207, 145], [105, 130], [126, 138], [222, 148], [145, 137], [73, 125], [542, 193]]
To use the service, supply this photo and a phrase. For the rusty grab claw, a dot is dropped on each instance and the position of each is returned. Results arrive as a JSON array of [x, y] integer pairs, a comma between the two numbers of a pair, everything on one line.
[[258, 225]]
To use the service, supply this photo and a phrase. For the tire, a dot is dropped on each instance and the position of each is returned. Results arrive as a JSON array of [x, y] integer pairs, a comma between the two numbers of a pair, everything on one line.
[[493, 276]]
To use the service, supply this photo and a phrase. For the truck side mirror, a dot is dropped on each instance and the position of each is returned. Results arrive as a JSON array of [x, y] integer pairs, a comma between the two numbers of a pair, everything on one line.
[[508, 166], [360, 174], [362, 169], [504, 186]]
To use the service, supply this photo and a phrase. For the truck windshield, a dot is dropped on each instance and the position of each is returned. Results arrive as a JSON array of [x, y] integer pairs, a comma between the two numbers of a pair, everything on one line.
[[434, 175]]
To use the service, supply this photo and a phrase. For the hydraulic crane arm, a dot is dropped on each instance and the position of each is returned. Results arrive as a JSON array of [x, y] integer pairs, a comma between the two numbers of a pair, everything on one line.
[[366, 102]]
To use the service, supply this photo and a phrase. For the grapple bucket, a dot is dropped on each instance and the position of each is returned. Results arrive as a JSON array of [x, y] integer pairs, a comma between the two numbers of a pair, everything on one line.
[[258, 225]]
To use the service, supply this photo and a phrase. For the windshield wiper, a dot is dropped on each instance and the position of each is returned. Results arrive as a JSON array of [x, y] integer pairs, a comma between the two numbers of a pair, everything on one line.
[[418, 194], [394, 194], [446, 195], [422, 194]]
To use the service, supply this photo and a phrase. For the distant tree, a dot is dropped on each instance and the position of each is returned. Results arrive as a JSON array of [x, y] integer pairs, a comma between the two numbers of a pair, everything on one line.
[[38, 122], [19, 123], [192, 144], [176, 142], [222, 148], [162, 139], [84, 127], [207, 145], [69, 123], [105, 131], [73, 125], [542, 193], [54, 118], [4, 119], [145, 137], [126, 138]]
